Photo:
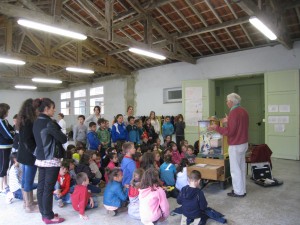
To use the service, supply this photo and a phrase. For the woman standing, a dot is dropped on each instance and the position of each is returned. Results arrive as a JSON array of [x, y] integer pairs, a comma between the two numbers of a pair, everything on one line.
[[179, 130], [94, 117], [155, 123], [130, 112], [49, 139], [6, 141], [62, 122], [26, 117]]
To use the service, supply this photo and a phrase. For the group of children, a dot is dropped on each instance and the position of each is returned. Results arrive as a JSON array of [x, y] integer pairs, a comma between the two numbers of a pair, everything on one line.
[[139, 175]]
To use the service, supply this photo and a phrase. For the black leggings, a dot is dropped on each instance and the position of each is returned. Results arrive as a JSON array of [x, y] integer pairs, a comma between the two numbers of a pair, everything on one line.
[[4, 161]]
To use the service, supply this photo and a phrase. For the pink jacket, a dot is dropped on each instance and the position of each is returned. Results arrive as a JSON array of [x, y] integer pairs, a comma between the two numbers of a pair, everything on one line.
[[153, 205], [176, 157]]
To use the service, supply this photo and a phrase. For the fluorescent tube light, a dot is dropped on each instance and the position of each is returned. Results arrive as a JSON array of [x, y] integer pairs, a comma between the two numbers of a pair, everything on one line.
[[11, 61], [44, 80], [51, 29], [79, 70], [262, 28], [28, 87], [147, 53]]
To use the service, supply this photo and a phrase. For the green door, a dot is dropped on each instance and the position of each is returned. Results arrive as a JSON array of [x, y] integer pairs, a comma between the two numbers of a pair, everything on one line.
[[253, 102]]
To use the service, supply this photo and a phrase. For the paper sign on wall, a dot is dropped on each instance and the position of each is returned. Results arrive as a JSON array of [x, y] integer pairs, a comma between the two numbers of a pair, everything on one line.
[[284, 108], [272, 108], [279, 128]]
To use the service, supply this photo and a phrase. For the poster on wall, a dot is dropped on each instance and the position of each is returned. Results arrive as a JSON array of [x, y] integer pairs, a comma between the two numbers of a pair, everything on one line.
[[193, 105]]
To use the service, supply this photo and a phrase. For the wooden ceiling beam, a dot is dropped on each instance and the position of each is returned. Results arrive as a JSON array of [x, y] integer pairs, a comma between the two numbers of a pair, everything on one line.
[[14, 11], [91, 9], [57, 6], [34, 40], [271, 19], [64, 63]]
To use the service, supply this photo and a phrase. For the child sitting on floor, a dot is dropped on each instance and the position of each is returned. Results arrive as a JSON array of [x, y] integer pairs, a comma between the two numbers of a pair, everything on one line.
[[114, 195], [133, 194], [194, 205], [181, 174], [81, 199], [15, 178], [154, 205], [111, 165], [62, 186]]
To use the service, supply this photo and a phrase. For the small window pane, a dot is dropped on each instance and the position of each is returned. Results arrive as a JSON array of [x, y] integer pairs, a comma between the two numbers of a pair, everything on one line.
[[96, 91], [65, 107], [80, 107], [96, 101], [79, 93], [65, 95]]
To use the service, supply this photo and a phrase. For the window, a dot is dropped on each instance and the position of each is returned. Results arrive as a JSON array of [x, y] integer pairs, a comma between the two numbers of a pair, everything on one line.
[[65, 107], [97, 101], [79, 93], [96, 91], [172, 95], [80, 107], [65, 95]]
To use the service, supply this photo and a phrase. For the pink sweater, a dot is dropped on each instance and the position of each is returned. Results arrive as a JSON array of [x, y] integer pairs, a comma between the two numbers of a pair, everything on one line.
[[237, 127], [153, 204], [176, 157]]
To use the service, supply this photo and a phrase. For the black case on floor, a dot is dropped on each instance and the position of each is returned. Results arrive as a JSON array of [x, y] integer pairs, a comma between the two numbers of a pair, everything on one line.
[[262, 175]]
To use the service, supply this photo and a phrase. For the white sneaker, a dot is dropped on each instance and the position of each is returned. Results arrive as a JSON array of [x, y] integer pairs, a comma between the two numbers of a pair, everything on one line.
[[9, 197]]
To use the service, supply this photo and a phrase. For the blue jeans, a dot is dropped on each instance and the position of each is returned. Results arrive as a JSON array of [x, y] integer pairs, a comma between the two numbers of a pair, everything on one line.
[[94, 189], [95, 204], [18, 194], [66, 198], [28, 177]]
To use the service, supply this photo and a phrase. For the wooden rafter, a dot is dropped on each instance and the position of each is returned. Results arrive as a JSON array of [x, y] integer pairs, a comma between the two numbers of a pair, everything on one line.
[[270, 18]]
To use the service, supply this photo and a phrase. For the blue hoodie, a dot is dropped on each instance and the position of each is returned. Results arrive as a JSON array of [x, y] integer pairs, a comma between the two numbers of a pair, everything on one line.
[[167, 129], [93, 141], [133, 134], [128, 166], [118, 132], [114, 194]]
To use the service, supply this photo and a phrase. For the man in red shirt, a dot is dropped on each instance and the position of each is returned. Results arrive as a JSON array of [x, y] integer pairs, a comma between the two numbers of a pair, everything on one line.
[[237, 133]]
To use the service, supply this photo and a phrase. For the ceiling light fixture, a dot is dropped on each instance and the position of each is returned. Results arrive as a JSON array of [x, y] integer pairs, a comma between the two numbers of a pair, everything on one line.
[[27, 87], [262, 28], [147, 53], [44, 80], [11, 61], [51, 29], [79, 70]]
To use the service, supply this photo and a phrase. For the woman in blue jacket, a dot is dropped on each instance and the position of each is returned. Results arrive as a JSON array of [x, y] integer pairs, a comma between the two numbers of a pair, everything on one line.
[[114, 194]]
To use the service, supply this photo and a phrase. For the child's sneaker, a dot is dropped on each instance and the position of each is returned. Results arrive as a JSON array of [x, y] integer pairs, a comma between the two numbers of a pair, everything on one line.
[[60, 203], [112, 212]]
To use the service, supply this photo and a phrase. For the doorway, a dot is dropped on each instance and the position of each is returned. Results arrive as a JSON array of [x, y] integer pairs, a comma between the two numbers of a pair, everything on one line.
[[251, 90]]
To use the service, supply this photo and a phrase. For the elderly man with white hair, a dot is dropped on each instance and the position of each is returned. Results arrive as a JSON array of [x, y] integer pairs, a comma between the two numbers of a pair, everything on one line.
[[237, 133]]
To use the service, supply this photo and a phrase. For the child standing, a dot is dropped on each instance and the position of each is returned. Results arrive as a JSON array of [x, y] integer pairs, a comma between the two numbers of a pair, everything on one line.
[[114, 195], [15, 177], [167, 128], [181, 176], [92, 138], [103, 136], [154, 205], [128, 164], [132, 131], [80, 130], [179, 129], [81, 199], [62, 186], [133, 194], [119, 132]]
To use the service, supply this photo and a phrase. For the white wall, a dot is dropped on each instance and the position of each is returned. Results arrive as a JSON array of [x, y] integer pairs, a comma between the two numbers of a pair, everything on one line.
[[15, 99], [150, 82]]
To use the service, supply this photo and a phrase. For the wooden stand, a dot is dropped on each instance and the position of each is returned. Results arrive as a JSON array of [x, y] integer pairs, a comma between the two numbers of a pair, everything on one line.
[[215, 169]]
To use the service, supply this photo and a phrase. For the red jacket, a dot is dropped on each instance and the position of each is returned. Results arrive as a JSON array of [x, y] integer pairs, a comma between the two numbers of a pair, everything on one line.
[[237, 127], [64, 182], [80, 198]]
